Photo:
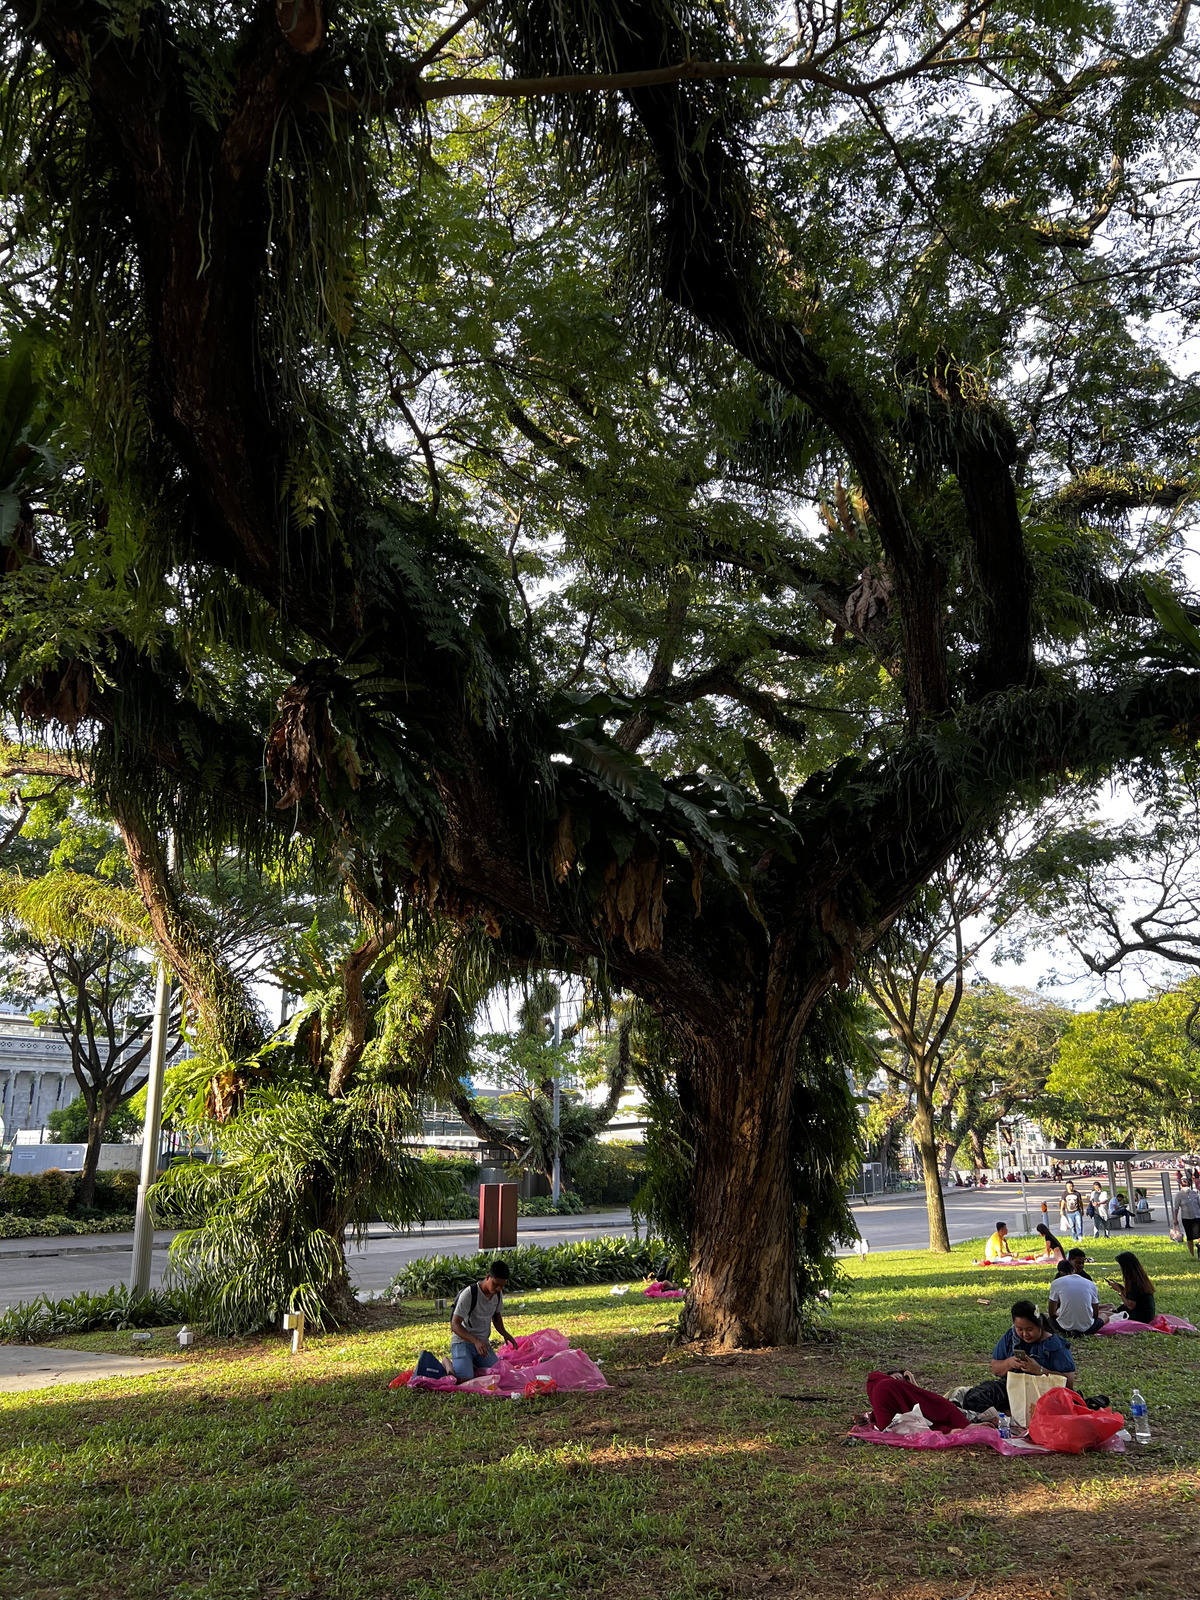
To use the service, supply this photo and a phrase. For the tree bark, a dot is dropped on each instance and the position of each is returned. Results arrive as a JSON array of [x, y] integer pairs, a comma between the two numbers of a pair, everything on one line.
[[98, 1116], [744, 1285], [228, 1018], [978, 1154], [926, 1141], [744, 1290], [351, 1038]]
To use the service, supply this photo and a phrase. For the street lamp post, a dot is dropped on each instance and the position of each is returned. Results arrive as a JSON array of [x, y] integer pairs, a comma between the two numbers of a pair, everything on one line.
[[143, 1225], [556, 1176]]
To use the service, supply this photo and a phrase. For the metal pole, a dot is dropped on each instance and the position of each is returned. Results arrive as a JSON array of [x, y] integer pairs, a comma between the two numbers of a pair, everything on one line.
[[1025, 1222], [556, 1178], [143, 1226]]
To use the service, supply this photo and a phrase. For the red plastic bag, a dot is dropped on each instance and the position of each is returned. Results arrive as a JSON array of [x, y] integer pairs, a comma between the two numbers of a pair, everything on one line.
[[540, 1386], [402, 1381], [1061, 1421]]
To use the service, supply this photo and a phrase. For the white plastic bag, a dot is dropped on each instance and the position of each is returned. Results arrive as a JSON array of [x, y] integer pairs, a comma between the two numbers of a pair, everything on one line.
[[913, 1421]]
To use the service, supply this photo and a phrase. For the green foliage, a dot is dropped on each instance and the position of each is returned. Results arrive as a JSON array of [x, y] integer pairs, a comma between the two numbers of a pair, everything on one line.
[[604, 1260], [465, 1168], [825, 1145], [53, 1193], [569, 1205], [458, 1207], [605, 1173], [261, 1232], [664, 1199], [38, 1194], [42, 1227], [33, 1321], [69, 1123], [1130, 1072]]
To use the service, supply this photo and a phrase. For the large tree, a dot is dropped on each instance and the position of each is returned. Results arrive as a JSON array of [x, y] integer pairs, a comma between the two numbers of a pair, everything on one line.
[[891, 548]]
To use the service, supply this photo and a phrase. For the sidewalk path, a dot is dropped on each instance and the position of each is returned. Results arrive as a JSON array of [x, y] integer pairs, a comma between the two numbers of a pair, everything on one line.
[[32, 1366]]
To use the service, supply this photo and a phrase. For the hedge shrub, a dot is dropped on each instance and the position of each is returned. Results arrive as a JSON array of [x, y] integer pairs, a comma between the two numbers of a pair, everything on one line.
[[569, 1205], [607, 1174], [49, 1227], [561, 1266], [37, 1194], [53, 1193]]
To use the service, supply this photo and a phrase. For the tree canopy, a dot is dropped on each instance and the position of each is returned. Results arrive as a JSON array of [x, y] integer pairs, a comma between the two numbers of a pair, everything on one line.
[[646, 480]]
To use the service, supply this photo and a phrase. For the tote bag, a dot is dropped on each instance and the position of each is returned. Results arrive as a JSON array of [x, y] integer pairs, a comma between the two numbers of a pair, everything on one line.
[[1025, 1389]]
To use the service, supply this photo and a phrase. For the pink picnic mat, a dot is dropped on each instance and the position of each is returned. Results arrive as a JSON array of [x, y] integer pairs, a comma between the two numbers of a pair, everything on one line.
[[1163, 1323], [539, 1356], [973, 1433]]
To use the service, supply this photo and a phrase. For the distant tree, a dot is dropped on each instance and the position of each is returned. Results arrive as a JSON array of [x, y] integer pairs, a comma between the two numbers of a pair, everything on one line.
[[1002, 1048], [1130, 1073], [525, 1062], [1127, 898], [917, 977], [93, 988], [71, 1123]]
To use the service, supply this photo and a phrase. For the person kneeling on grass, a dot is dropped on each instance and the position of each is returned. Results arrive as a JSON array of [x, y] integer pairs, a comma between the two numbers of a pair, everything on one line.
[[1074, 1304], [476, 1309], [1030, 1345]]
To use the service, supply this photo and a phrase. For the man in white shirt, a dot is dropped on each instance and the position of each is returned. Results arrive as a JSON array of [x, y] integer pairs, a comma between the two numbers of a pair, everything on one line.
[[1074, 1303], [1187, 1215]]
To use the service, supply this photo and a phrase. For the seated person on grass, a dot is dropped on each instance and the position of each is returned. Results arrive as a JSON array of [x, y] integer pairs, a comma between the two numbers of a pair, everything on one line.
[[1135, 1291], [1074, 1304], [997, 1247], [1028, 1346], [476, 1309], [1078, 1260], [1053, 1245]]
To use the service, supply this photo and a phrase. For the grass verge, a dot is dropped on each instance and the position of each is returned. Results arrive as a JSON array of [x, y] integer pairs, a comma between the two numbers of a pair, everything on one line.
[[249, 1473]]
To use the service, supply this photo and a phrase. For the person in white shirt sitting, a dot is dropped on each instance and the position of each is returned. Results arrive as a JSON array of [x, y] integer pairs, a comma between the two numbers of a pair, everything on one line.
[[1074, 1303]]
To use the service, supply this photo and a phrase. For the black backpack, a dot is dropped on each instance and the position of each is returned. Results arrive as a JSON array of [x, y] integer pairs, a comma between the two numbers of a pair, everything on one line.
[[471, 1309]]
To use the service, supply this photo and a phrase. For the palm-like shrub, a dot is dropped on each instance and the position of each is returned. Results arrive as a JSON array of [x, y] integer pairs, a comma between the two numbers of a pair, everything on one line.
[[263, 1230]]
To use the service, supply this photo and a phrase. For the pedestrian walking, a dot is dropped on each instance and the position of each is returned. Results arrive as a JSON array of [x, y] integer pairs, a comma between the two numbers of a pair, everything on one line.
[[1070, 1210]]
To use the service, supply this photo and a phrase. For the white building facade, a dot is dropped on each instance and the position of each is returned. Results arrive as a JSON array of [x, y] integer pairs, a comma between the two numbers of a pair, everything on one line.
[[35, 1074]]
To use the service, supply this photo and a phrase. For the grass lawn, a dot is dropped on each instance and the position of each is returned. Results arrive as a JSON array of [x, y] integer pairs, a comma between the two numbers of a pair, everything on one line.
[[248, 1472]]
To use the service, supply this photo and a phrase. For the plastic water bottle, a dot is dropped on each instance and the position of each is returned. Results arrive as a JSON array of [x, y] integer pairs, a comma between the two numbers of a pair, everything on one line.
[[1003, 1426], [1141, 1417]]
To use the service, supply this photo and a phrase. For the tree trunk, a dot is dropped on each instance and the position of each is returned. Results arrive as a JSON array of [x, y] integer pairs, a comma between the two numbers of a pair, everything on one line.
[[939, 1236], [744, 1288], [978, 1153], [225, 1010], [85, 1193], [947, 1150]]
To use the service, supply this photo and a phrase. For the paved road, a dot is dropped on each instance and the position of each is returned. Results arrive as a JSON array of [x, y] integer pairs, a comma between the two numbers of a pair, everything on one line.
[[29, 1267], [899, 1222]]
